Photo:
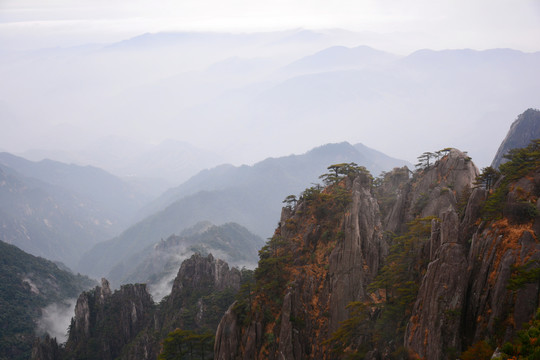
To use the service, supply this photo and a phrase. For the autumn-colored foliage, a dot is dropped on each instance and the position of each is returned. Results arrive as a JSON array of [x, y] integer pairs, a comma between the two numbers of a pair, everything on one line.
[[479, 351], [526, 345], [374, 324]]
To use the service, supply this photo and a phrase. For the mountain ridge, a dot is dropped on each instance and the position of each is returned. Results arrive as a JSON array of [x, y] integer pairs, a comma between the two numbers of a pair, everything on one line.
[[522, 131], [248, 195]]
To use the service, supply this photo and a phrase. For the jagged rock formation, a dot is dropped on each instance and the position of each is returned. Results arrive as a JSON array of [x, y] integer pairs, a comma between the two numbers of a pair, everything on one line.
[[433, 190], [465, 296], [197, 278], [327, 254], [434, 328], [105, 322], [158, 264], [524, 129], [324, 257], [126, 324], [354, 262]]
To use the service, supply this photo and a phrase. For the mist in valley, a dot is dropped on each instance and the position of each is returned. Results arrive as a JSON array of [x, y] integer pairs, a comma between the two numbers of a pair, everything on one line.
[[134, 135], [55, 319], [154, 97]]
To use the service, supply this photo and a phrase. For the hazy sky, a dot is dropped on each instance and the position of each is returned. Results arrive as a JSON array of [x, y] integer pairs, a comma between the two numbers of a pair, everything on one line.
[[49, 97], [477, 24]]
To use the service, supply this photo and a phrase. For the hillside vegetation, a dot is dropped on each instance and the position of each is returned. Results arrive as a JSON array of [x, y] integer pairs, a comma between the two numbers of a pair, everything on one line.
[[27, 285]]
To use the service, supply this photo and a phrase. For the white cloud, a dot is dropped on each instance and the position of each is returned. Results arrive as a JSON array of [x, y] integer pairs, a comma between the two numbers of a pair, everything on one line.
[[55, 319]]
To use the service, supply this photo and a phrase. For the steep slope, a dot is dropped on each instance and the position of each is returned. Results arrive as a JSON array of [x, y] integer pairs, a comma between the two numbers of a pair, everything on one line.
[[126, 324], [325, 252], [523, 130], [479, 286], [248, 195], [28, 285], [438, 270]]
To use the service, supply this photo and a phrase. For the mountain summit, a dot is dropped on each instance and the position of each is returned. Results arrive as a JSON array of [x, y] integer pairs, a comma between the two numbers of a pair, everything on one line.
[[524, 129]]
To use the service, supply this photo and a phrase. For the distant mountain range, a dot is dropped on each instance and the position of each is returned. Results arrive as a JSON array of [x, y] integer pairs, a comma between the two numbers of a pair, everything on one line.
[[58, 211], [254, 91], [150, 168], [340, 58], [248, 195]]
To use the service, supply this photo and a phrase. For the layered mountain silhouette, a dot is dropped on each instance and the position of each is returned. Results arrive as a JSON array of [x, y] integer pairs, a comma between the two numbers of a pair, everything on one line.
[[58, 211], [248, 195]]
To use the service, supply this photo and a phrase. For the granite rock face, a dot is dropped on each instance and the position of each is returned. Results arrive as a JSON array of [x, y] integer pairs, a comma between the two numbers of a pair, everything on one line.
[[524, 129], [110, 320], [464, 293], [354, 262], [328, 271], [432, 190], [434, 327], [127, 324]]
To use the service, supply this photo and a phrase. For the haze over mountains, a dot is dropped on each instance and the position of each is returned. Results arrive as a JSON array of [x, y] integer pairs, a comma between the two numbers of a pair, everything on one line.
[[250, 96], [58, 211], [149, 143], [248, 195]]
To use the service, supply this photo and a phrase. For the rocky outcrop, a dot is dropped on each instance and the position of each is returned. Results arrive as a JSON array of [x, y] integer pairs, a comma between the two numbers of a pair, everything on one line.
[[499, 248], [126, 324], [433, 330], [333, 254], [492, 307], [463, 293], [228, 336], [524, 129], [105, 322], [198, 277], [465, 296], [206, 271], [433, 189], [354, 262]]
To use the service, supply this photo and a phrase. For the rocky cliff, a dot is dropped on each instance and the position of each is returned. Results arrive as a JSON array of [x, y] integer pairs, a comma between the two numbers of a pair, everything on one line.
[[105, 322], [524, 129], [325, 252], [127, 324], [412, 267]]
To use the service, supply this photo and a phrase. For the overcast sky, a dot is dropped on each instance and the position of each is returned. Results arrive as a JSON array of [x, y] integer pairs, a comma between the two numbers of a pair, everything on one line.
[[476, 24], [47, 96]]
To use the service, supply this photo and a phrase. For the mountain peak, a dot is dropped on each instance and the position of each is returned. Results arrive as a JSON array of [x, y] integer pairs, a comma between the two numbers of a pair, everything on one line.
[[524, 129]]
